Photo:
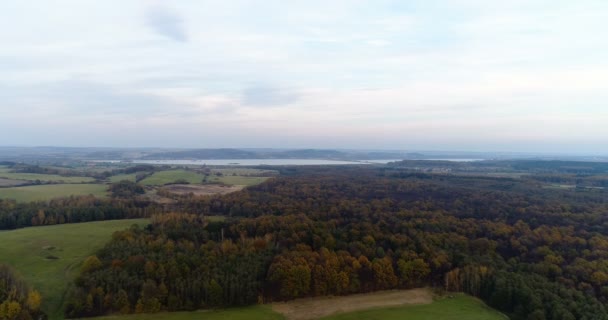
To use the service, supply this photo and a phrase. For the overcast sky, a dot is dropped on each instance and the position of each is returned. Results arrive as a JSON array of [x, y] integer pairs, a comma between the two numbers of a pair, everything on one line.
[[479, 75]]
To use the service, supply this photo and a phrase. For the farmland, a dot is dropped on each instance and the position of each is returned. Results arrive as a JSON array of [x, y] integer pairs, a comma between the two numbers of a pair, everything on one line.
[[120, 177], [50, 191], [26, 187], [44, 177], [170, 176], [11, 182], [226, 177], [49, 257]]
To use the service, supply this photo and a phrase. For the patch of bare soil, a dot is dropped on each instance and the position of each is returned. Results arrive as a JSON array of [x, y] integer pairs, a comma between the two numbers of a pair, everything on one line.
[[315, 308], [201, 190]]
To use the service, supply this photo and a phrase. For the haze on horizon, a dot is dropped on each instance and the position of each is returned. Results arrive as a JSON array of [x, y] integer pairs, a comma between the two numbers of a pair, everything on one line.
[[407, 75]]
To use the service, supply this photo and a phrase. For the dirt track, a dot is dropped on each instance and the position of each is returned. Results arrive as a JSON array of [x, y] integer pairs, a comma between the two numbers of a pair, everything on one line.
[[315, 308]]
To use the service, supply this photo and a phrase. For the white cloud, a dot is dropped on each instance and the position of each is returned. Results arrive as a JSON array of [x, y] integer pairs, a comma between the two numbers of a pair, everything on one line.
[[455, 74]]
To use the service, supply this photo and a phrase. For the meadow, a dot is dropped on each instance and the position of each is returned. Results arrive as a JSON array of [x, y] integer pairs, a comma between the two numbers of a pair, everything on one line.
[[245, 313], [50, 191], [44, 177], [121, 177], [49, 257], [169, 176]]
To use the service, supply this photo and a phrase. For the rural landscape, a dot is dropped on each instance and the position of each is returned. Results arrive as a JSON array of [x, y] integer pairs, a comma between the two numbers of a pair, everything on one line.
[[304, 160], [415, 239]]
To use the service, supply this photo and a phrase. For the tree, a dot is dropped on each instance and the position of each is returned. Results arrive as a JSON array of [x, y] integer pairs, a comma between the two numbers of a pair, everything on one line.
[[413, 272], [216, 293], [126, 189], [34, 300], [90, 264], [13, 310]]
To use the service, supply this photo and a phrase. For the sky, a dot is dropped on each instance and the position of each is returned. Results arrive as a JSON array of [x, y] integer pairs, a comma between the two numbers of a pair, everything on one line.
[[472, 75]]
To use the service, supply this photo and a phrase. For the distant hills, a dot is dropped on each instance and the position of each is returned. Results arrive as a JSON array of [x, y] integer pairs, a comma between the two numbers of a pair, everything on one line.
[[33, 154], [326, 154]]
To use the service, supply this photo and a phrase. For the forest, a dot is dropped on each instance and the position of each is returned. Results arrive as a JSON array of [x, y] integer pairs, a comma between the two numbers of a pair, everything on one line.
[[529, 251], [17, 299]]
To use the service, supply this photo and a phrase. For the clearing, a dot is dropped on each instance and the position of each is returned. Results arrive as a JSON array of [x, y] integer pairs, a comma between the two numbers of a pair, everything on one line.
[[50, 191], [201, 190], [460, 306], [170, 176], [315, 308], [49, 257]]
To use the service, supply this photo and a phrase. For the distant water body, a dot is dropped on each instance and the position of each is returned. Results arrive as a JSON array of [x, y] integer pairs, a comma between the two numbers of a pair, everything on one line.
[[269, 162]]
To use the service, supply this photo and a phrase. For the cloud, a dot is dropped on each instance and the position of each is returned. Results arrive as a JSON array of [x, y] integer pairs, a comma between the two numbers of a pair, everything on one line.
[[167, 23], [360, 73], [268, 96], [81, 97]]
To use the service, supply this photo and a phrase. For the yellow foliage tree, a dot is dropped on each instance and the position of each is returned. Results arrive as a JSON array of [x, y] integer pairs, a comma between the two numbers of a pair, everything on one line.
[[34, 300]]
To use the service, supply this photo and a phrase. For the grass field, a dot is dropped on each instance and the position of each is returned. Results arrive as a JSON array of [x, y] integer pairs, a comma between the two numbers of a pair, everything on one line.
[[120, 177], [246, 313], [28, 250], [50, 191], [459, 307], [169, 176], [44, 177]]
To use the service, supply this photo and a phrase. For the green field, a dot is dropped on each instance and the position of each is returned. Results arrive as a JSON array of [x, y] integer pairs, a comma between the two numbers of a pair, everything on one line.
[[120, 177], [50, 191], [44, 177], [169, 176], [48, 257], [246, 313], [459, 307]]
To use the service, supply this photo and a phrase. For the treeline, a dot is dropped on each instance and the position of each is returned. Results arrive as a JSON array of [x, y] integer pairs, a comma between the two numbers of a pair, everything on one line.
[[14, 215], [142, 170], [17, 300], [338, 232]]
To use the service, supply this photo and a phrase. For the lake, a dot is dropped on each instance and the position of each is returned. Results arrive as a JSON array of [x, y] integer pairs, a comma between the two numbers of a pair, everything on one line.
[[268, 162]]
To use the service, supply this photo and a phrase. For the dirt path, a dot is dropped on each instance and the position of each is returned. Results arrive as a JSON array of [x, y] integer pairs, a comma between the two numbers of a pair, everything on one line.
[[315, 308]]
